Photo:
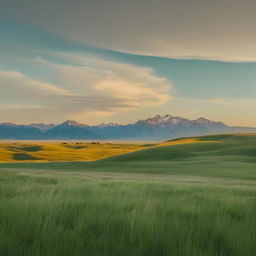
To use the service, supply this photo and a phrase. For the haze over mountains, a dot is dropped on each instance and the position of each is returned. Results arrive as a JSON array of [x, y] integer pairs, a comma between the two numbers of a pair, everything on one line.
[[155, 128]]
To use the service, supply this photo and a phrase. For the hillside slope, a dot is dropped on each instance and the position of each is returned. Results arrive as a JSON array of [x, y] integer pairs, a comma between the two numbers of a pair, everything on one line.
[[217, 156], [189, 197]]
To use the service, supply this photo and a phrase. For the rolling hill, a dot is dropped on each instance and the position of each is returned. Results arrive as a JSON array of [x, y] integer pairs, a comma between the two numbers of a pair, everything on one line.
[[189, 196], [227, 155]]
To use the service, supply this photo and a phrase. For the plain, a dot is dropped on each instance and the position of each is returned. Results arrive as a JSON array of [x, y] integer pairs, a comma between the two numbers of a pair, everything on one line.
[[179, 199]]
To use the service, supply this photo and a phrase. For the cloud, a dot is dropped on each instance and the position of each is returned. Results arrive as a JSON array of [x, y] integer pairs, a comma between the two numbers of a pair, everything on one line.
[[90, 87], [220, 29], [12, 80], [134, 86], [16, 88], [231, 102]]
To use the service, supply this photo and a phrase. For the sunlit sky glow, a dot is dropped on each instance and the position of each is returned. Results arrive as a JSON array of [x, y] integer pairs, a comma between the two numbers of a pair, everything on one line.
[[120, 61]]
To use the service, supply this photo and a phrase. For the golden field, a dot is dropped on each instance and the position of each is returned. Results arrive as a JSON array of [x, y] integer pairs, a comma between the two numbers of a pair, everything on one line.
[[61, 151], [53, 151]]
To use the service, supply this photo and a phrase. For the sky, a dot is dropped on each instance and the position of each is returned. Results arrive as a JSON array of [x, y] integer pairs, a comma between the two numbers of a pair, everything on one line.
[[121, 61]]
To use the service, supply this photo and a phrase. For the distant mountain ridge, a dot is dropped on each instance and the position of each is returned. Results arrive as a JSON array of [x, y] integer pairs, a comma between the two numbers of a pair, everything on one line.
[[153, 128]]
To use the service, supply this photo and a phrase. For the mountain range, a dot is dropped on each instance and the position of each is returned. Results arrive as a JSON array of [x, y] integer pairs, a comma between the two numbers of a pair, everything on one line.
[[155, 128]]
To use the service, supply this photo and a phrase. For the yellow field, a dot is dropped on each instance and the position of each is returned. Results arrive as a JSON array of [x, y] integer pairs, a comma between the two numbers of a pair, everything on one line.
[[183, 141], [61, 151], [35, 151]]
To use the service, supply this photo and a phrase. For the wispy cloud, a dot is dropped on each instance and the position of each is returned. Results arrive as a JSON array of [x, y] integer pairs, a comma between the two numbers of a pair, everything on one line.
[[206, 29], [11, 81], [134, 86], [90, 86]]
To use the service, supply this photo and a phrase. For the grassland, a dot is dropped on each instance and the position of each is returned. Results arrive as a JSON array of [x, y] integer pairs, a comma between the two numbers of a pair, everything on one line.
[[183, 199], [36, 151]]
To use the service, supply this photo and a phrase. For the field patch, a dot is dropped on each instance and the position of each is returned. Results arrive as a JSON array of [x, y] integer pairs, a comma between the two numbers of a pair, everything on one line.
[[76, 146], [183, 148], [183, 141], [23, 157], [31, 148], [63, 151]]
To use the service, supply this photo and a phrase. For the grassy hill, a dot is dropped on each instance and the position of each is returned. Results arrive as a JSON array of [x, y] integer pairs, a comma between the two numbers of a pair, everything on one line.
[[186, 197], [232, 156]]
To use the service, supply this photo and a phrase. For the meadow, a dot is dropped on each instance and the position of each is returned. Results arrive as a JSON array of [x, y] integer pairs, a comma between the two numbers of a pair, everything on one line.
[[70, 151], [40, 151], [190, 198]]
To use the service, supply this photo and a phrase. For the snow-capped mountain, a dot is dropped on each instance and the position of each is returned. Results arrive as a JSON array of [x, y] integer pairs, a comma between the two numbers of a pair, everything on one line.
[[205, 121], [153, 128], [72, 123], [107, 125], [166, 120], [175, 121], [71, 130], [42, 126]]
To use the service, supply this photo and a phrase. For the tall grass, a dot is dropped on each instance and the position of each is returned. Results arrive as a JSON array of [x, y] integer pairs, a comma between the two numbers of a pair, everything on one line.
[[53, 213]]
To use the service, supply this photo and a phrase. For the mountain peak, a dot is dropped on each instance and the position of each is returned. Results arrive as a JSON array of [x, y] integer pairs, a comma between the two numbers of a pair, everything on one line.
[[103, 125], [73, 123], [157, 127], [8, 124], [166, 120], [207, 122], [202, 120], [42, 126]]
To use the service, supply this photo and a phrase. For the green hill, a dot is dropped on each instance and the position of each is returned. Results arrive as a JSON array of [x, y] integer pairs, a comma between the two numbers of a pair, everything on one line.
[[193, 199], [224, 156]]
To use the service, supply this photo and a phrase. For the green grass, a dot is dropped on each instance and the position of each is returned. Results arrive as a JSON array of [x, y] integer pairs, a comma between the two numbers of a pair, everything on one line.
[[233, 156], [183, 200], [23, 156], [25, 148]]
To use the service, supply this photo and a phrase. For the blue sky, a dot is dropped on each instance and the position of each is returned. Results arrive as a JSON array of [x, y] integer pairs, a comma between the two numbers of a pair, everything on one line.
[[47, 75]]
